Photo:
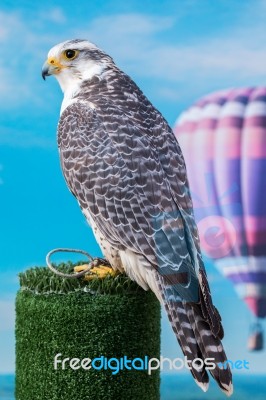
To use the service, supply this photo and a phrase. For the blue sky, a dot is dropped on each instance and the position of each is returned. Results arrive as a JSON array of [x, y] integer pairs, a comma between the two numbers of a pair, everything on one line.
[[176, 51]]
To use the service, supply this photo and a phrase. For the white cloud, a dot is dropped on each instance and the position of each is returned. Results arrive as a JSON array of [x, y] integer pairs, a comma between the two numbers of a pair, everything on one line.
[[127, 36], [137, 42], [121, 25], [55, 15], [216, 59], [235, 52], [235, 58], [8, 23], [24, 43]]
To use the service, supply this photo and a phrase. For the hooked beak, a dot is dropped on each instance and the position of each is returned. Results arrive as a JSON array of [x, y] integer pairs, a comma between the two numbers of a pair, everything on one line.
[[45, 70], [51, 67], [48, 69]]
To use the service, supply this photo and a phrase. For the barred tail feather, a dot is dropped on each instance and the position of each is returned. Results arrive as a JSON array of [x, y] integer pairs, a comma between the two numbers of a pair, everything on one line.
[[196, 338], [211, 347], [183, 331], [187, 341]]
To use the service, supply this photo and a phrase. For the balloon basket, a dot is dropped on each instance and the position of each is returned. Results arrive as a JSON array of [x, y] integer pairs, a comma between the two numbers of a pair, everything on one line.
[[256, 339]]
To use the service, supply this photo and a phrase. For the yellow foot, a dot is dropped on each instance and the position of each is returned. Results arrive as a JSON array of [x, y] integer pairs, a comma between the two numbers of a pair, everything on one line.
[[99, 271]]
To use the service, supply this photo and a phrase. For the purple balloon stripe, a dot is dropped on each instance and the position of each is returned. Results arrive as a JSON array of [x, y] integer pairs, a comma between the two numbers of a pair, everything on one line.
[[207, 123], [212, 99], [257, 250], [256, 205], [258, 93], [241, 95], [255, 196], [256, 121], [260, 97], [230, 121], [248, 277]]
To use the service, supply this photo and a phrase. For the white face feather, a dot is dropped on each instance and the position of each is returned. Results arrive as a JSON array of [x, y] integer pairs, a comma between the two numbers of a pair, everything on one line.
[[72, 73], [72, 44]]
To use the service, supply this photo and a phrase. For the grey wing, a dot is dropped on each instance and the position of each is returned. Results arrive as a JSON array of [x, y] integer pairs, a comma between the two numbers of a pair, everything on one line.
[[175, 169], [133, 183]]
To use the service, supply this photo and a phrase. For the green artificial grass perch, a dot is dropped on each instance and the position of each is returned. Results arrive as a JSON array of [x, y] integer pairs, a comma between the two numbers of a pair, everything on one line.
[[110, 317]]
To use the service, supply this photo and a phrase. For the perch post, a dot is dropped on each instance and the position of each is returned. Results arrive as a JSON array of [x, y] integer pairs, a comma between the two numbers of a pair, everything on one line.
[[110, 317]]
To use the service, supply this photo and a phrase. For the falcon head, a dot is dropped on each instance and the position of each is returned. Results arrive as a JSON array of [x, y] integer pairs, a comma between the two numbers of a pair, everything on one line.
[[75, 61]]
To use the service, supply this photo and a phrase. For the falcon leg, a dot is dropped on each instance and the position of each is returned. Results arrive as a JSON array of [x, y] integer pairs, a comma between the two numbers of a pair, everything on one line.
[[101, 269]]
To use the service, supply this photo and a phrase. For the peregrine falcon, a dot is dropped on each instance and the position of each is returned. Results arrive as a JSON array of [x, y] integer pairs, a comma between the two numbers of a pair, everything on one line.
[[122, 162]]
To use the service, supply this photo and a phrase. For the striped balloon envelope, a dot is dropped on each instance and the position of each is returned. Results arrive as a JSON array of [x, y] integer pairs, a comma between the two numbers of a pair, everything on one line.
[[223, 139]]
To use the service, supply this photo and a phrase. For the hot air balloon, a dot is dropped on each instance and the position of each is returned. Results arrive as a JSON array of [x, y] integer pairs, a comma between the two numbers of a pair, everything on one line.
[[223, 139]]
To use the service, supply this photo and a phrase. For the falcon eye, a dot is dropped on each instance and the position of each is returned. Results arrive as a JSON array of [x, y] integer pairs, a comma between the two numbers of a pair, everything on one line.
[[70, 54]]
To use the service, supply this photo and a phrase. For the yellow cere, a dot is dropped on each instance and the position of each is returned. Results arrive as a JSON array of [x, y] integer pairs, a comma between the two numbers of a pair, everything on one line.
[[53, 61]]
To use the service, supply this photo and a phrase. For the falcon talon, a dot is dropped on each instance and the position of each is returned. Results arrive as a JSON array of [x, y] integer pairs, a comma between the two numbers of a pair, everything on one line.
[[100, 272], [80, 268]]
